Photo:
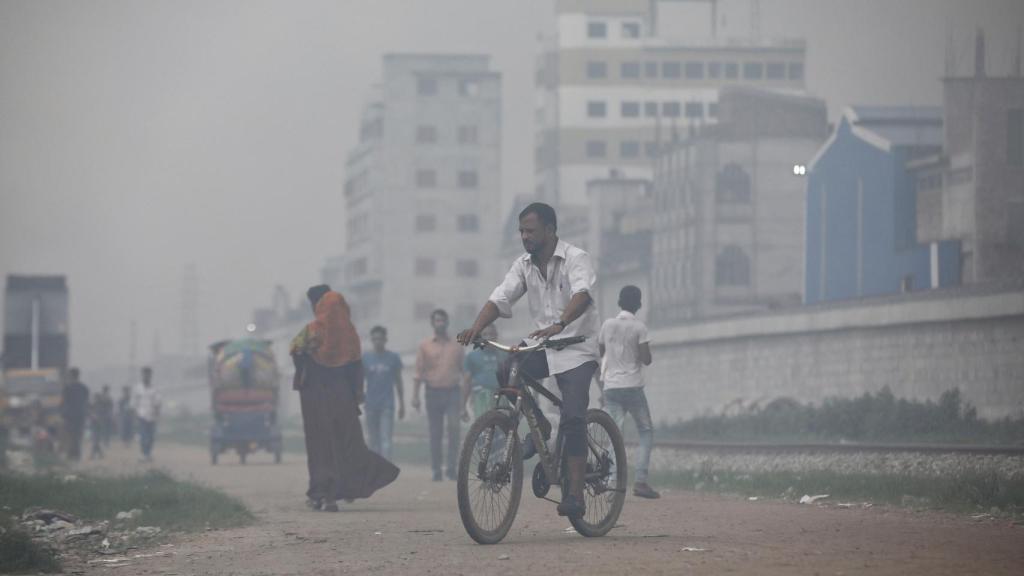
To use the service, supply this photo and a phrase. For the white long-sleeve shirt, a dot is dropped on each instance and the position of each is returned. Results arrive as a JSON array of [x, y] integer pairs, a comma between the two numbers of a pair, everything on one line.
[[569, 272]]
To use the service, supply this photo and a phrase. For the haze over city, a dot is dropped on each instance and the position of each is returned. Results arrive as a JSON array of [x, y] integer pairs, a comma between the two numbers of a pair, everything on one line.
[[139, 138]]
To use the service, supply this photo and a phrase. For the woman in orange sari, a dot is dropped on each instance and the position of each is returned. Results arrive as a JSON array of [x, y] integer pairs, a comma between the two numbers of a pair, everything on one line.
[[329, 378]]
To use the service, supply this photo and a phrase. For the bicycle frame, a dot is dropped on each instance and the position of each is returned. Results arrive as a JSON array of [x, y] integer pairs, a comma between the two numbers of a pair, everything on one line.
[[520, 396]]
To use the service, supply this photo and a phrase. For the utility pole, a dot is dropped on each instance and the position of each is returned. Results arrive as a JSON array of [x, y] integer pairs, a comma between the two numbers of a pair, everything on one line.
[[190, 312]]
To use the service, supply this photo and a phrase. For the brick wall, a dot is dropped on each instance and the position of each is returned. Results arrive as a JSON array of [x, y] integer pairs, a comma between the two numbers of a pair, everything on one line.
[[919, 346]]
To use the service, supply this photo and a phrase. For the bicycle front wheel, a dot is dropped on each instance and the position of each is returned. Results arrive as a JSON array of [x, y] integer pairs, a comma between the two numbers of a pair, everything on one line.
[[490, 482], [604, 491]]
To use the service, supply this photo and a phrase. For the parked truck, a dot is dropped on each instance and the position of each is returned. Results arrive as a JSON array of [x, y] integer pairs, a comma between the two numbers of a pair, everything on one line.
[[35, 354]]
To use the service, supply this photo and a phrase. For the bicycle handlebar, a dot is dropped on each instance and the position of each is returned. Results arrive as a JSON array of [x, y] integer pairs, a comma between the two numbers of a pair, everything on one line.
[[559, 344]]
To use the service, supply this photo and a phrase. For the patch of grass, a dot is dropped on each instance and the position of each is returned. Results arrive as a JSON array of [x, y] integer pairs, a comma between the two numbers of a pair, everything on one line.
[[20, 554], [879, 417], [168, 503], [966, 491]]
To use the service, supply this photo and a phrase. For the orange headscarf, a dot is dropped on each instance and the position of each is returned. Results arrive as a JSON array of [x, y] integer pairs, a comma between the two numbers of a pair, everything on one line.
[[332, 330]]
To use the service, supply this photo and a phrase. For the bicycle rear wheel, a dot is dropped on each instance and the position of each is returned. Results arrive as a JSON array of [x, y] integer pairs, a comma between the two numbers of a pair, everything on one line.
[[489, 489], [605, 489]]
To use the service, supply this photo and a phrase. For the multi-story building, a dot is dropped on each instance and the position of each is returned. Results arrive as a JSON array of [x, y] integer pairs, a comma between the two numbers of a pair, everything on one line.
[[728, 224], [607, 82], [421, 195], [861, 207], [973, 190]]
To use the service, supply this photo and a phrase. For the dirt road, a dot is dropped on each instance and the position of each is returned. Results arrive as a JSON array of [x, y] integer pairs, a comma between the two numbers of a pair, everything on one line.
[[412, 527]]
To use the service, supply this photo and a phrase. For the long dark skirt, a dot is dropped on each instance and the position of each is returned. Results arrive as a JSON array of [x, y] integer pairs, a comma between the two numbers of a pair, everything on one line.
[[340, 464]]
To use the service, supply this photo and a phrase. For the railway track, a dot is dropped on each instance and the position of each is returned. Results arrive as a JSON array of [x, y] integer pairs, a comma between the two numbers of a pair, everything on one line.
[[851, 447]]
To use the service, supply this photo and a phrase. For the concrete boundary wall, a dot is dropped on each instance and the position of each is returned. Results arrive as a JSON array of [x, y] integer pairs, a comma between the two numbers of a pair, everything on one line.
[[919, 345]]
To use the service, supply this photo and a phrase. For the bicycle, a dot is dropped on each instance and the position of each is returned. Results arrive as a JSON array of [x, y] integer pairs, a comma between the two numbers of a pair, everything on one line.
[[490, 475]]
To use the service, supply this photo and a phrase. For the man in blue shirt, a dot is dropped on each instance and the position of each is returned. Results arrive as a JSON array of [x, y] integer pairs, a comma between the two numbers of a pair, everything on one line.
[[480, 375], [383, 369]]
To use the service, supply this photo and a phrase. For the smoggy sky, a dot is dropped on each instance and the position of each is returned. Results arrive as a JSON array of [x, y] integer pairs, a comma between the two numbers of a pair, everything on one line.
[[139, 137]]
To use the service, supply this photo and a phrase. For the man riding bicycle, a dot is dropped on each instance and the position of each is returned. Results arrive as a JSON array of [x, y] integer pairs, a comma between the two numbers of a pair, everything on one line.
[[558, 280]]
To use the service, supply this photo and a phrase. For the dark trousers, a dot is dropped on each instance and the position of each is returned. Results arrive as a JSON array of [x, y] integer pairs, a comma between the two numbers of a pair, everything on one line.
[[444, 403], [147, 435], [574, 385], [75, 431]]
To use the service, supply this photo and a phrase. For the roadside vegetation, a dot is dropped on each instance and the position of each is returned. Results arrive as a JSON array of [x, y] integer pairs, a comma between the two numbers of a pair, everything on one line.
[[878, 418], [967, 491], [161, 501]]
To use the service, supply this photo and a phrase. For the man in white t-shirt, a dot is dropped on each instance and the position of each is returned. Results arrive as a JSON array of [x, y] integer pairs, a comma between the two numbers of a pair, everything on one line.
[[146, 405], [625, 350]]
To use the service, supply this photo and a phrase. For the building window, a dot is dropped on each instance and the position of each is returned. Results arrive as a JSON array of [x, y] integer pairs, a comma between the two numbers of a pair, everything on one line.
[[650, 109], [630, 109], [694, 70], [1015, 137], [629, 70], [468, 179], [467, 223], [422, 310], [426, 178], [630, 29], [775, 71], [596, 109], [426, 85], [469, 88], [467, 268], [714, 69], [732, 185], [426, 134], [596, 149], [426, 267], [651, 149], [468, 134], [732, 70], [670, 109], [357, 268], [629, 149], [597, 30], [732, 267], [651, 69], [597, 70], [694, 109], [753, 70], [426, 222], [671, 69], [712, 109], [796, 70]]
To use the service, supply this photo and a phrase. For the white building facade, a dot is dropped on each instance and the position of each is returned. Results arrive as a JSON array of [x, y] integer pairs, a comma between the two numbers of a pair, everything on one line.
[[422, 193], [609, 88]]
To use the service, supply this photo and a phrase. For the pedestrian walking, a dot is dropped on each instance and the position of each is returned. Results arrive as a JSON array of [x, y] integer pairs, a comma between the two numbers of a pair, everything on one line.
[[146, 403], [95, 427], [480, 375], [105, 412], [126, 416], [383, 380], [329, 379], [439, 368], [625, 349], [74, 409]]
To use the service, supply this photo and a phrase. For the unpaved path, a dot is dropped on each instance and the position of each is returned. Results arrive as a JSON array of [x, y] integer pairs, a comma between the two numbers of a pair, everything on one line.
[[412, 527]]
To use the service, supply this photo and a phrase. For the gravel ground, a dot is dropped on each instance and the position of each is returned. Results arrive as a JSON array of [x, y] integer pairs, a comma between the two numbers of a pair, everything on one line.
[[910, 463]]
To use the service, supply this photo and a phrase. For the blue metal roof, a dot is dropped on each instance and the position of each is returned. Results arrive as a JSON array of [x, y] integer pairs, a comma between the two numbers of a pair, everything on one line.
[[901, 125]]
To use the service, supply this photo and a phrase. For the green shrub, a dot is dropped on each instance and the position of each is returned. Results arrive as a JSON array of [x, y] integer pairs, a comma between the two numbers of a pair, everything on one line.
[[877, 417]]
